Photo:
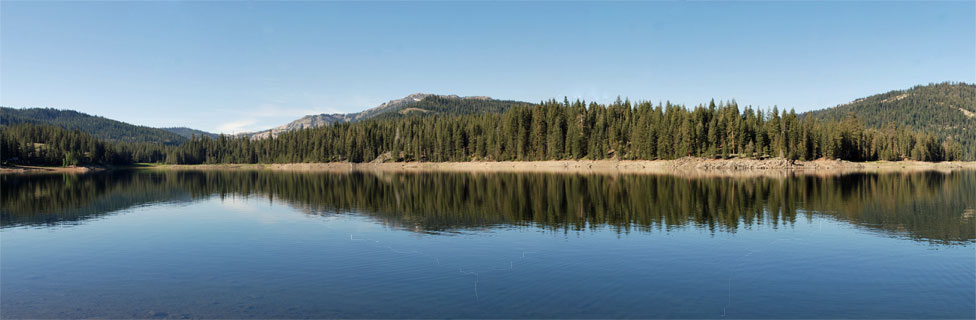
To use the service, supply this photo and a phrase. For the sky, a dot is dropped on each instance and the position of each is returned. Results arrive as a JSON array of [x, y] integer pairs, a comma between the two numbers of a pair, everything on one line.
[[242, 66]]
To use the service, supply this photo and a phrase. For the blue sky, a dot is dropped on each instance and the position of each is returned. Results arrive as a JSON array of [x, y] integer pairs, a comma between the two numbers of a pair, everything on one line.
[[243, 66]]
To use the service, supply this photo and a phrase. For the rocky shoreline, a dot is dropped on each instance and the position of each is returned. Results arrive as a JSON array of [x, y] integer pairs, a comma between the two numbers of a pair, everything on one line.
[[41, 169], [684, 166]]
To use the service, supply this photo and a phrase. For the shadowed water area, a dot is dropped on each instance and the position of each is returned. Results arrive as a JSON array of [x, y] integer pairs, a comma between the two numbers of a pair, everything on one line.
[[261, 244]]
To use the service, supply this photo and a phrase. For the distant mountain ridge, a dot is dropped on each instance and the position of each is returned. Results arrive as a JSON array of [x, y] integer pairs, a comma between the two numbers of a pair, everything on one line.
[[100, 127], [946, 110], [190, 132], [414, 104], [419, 104]]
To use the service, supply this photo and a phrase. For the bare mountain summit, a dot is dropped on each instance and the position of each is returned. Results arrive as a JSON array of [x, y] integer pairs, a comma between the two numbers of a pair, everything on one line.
[[311, 121], [393, 105], [414, 104]]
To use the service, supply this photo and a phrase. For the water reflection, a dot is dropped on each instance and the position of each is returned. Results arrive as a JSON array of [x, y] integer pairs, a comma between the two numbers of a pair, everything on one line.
[[925, 206]]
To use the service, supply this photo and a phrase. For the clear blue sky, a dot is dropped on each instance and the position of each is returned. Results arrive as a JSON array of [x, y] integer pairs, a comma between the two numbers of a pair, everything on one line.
[[241, 66]]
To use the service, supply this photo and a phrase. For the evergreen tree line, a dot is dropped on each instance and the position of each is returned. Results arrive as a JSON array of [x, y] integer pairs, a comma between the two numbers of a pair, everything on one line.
[[101, 128], [946, 110], [51, 145], [555, 130], [551, 130], [48, 145]]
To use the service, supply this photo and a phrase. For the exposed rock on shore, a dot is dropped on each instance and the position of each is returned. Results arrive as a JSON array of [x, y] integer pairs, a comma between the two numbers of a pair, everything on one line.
[[686, 166]]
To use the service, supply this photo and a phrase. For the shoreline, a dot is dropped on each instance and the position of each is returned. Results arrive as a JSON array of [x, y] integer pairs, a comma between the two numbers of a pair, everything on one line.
[[683, 166], [19, 169]]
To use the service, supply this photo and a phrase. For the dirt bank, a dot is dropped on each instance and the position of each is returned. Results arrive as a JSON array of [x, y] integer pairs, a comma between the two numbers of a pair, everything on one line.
[[690, 166], [39, 169]]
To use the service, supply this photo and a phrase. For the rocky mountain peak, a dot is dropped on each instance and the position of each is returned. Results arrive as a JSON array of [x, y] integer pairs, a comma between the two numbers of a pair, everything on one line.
[[396, 105]]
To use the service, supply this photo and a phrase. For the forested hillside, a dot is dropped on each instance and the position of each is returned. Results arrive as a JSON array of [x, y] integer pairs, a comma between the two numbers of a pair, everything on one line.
[[102, 128], [451, 105], [946, 110], [447, 128], [576, 130], [190, 133], [27, 143], [417, 104]]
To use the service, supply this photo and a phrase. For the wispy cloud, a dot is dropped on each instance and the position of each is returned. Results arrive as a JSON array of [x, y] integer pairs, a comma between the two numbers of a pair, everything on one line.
[[282, 109], [237, 126], [275, 110], [265, 116]]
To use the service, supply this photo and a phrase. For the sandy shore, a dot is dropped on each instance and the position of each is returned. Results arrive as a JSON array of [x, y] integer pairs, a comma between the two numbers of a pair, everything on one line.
[[40, 169], [685, 166]]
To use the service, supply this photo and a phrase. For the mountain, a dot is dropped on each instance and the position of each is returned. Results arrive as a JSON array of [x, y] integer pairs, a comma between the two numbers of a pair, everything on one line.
[[429, 104], [311, 121], [417, 104], [946, 110], [102, 128], [189, 133]]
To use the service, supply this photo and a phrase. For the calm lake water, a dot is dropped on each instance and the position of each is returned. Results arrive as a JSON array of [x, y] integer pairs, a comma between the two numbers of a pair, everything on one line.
[[145, 244]]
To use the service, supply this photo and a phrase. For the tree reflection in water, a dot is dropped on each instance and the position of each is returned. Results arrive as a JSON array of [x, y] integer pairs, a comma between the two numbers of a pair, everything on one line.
[[926, 206]]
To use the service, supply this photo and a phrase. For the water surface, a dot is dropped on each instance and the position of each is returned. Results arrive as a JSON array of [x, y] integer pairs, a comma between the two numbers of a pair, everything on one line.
[[255, 244]]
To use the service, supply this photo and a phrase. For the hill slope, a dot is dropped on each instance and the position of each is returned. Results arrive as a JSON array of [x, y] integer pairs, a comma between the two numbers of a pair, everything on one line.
[[441, 104], [99, 127], [189, 132], [946, 110], [418, 104]]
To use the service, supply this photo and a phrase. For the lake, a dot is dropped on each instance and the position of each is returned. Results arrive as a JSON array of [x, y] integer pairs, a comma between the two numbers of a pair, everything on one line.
[[260, 244]]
